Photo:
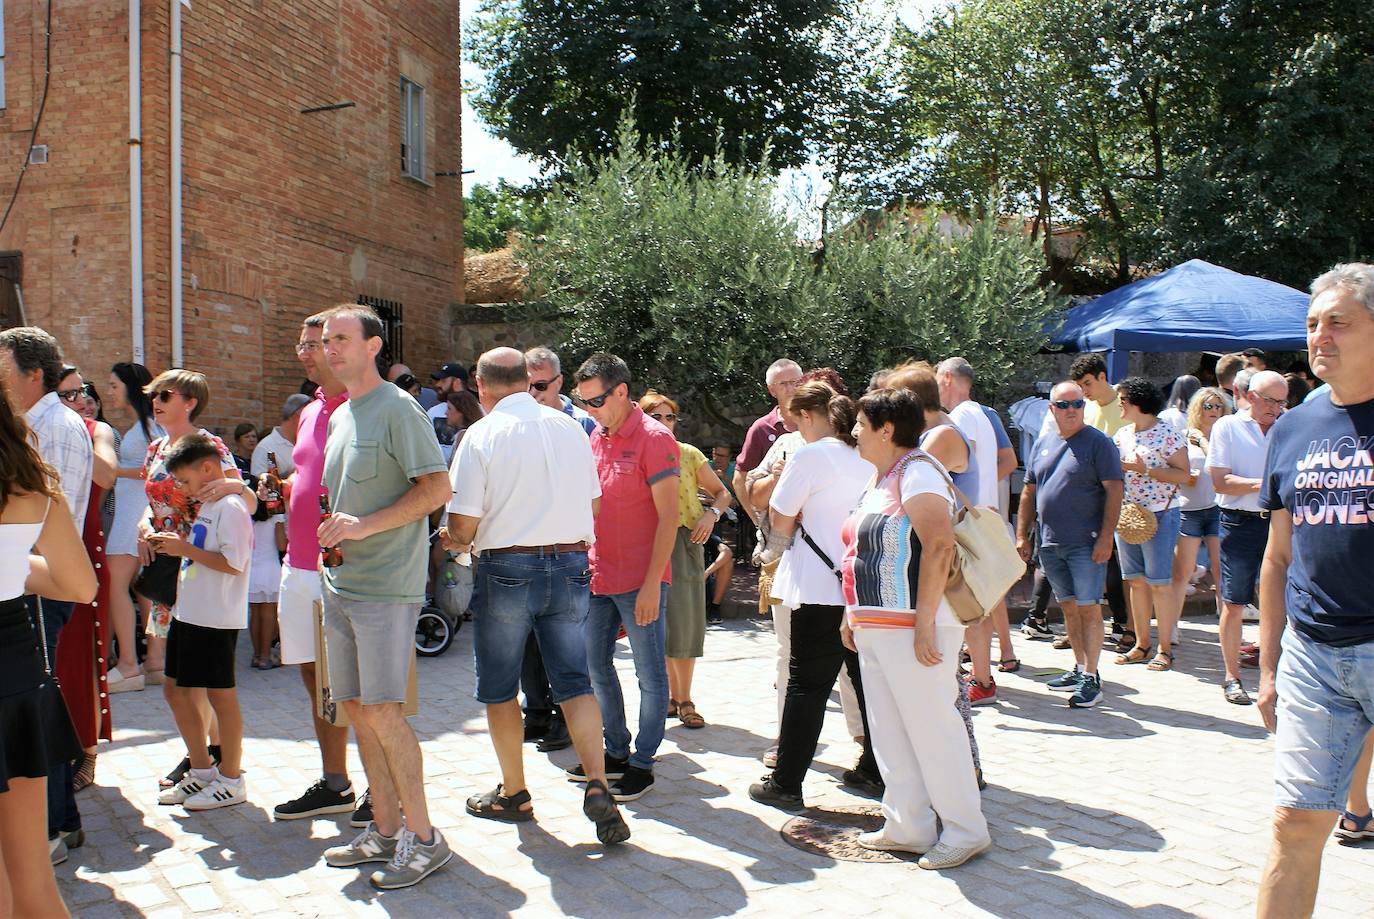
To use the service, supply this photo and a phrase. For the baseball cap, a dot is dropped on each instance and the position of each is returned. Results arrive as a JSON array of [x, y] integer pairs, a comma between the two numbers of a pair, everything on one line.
[[450, 370], [293, 404]]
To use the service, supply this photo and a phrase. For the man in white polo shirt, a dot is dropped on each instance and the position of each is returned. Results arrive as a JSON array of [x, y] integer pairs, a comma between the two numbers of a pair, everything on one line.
[[1235, 459], [525, 496]]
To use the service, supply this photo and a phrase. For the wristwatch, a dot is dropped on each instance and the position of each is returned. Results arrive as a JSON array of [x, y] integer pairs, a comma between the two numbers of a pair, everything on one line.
[[715, 510]]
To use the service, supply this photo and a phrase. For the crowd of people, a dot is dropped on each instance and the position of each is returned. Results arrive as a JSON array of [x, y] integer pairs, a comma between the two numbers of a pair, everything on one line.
[[584, 520]]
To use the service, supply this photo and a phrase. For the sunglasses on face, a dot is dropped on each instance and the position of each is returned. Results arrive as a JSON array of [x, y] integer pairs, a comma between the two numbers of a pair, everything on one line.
[[663, 416], [165, 395], [598, 401], [1066, 404], [307, 347], [1213, 406], [542, 385], [71, 395]]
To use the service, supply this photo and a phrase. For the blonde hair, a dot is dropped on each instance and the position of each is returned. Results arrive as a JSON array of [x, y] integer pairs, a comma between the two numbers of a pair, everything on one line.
[[1195, 406], [189, 383], [653, 397]]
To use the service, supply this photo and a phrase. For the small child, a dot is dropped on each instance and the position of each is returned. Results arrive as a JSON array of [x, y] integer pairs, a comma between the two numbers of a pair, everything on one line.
[[211, 608]]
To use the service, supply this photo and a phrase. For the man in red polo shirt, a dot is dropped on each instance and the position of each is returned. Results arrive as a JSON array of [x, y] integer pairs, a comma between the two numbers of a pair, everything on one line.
[[300, 580], [783, 377], [637, 465]]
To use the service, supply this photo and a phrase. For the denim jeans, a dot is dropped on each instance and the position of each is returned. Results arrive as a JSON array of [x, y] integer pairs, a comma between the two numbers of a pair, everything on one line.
[[1244, 538], [606, 616], [1153, 559], [516, 595], [1073, 574], [1326, 707], [62, 812]]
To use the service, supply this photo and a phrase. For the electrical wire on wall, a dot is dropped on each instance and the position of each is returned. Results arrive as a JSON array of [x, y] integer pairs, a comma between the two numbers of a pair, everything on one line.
[[38, 119]]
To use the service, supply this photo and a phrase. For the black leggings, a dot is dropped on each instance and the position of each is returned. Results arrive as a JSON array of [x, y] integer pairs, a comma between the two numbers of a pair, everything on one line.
[[817, 655]]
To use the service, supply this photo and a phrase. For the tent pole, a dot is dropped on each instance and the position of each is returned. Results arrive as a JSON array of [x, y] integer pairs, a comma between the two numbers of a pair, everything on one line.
[[1118, 365]]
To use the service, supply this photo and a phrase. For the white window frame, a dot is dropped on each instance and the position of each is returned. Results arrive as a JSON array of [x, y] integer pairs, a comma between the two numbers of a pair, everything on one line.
[[413, 129]]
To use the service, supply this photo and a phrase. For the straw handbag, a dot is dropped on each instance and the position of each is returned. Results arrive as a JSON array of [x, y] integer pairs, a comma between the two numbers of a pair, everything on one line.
[[1136, 525]]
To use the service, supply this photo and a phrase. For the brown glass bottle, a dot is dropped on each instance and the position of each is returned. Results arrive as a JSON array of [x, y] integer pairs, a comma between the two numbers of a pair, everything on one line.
[[330, 556], [272, 503]]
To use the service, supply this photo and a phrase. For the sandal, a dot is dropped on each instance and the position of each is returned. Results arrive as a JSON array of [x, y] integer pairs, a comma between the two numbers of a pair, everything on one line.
[[1061, 643], [1136, 655], [1008, 665], [1361, 828], [601, 810], [1235, 693], [687, 714], [1163, 661], [672, 708], [495, 805], [1126, 643], [85, 773], [964, 657]]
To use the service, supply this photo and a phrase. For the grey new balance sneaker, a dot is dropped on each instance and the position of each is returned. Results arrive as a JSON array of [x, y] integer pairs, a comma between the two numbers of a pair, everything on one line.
[[367, 846], [413, 861]]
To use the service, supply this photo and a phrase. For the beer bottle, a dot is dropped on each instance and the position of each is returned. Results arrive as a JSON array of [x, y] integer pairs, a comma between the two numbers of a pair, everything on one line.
[[272, 503], [332, 556]]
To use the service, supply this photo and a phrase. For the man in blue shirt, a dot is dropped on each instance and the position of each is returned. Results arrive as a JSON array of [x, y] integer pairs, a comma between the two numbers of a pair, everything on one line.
[[1075, 478], [1318, 488]]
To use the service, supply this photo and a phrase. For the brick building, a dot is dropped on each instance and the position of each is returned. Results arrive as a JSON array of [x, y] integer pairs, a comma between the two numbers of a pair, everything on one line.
[[285, 211]]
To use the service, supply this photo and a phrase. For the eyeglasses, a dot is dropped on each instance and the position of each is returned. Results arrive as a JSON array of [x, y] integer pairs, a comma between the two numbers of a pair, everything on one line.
[[165, 395], [598, 401], [70, 395], [663, 416], [1279, 404], [1066, 404], [542, 385], [307, 347], [1213, 406]]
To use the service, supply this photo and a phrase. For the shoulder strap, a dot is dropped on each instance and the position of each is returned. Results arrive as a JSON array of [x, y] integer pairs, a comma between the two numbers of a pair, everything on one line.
[[820, 552], [922, 456]]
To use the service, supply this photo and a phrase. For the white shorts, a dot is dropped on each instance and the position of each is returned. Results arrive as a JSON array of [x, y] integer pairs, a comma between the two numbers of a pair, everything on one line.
[[298, 603]]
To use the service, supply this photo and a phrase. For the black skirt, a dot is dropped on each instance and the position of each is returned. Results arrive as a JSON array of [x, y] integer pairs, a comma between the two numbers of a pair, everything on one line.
[[36, 731]]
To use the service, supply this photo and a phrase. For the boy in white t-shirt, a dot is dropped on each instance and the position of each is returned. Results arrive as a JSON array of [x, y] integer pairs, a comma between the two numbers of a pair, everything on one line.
[[211, 608]]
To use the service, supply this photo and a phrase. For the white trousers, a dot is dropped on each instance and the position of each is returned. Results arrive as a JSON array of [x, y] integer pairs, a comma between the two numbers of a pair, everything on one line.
[[849, 700], [919, 739]]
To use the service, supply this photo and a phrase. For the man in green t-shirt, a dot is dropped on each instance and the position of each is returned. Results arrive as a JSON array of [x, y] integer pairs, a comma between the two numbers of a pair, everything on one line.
[[384, 474]]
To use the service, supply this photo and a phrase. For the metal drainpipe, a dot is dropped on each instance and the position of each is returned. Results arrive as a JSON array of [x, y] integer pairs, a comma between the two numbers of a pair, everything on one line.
[[177, 356], [136, 176]]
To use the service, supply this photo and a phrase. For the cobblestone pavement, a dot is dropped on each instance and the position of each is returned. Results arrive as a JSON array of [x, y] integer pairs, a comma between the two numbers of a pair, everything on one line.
[[1156, 803]]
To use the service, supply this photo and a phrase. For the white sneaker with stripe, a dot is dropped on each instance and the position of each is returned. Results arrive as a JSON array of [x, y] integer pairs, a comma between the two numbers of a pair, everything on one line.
[[181, 791], [221, 792]]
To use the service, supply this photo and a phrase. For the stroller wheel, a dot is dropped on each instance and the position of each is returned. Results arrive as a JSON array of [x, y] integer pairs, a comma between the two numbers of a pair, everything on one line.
[[433, 633]]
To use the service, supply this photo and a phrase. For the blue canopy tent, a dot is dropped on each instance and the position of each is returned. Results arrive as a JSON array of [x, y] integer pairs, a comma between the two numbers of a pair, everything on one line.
[[1195, 306]]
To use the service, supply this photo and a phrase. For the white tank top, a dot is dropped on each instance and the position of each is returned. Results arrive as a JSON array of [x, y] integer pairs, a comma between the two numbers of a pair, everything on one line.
[[16, 542]]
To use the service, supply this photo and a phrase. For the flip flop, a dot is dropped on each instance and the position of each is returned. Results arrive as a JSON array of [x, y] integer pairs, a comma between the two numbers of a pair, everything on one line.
[[1008, 665]]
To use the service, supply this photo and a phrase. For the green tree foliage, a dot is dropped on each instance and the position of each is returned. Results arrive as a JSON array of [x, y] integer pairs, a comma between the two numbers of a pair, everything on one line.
[[1168, 129], [490, 214], [698, 278], [559, 76]]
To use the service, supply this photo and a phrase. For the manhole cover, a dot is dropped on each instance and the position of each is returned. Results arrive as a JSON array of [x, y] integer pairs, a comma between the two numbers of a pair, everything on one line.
[[834, 832]]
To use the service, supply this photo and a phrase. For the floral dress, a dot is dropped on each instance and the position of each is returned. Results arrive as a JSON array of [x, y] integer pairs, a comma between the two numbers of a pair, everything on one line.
[[171, 509]]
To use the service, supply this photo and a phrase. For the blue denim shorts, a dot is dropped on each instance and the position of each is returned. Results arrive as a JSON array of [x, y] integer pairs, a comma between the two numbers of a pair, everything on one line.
[[514, 594], [1325, 710], [1073, 574], [1201, 524], [1243, 540], [1152, 560]]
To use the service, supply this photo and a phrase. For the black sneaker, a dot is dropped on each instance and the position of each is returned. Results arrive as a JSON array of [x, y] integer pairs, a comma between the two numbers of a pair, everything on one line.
[[713, 614], [556, 738], [864, 782], [318, 799], [615, 769], [362, 815], [633, 784], [174, 777], [1036, 629], [535, 729], [771, 793]]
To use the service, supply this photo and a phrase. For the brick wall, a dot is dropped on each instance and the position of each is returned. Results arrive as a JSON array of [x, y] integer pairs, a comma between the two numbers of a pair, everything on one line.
[[284, 213]]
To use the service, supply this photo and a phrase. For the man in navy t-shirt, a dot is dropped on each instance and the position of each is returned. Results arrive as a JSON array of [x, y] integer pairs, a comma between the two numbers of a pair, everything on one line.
[[1075, 479], [1319, 489]]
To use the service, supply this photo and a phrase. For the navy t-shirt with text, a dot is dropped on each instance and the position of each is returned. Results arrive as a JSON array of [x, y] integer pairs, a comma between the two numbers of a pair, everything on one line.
[[1068, 477], [1321, 470]]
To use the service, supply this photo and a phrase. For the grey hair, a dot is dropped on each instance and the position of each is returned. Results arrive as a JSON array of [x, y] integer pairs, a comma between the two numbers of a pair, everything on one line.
[[33, 349], [1356, 277], [779, 366], [956, 366], [1262, 379], [1241, 381], [498, 370], [543, 357]]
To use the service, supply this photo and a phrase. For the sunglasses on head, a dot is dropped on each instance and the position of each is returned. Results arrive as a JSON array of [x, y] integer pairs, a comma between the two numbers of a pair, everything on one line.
[[542, 385], [663, 416], [165, 395], [598, 401], [70, 395], [1065, 404]]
